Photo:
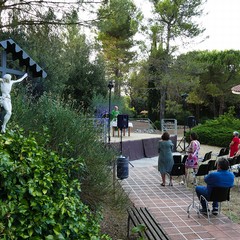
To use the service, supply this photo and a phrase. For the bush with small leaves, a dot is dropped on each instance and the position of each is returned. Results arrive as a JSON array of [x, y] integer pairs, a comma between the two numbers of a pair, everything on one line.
[[40, 193], [217, 132]]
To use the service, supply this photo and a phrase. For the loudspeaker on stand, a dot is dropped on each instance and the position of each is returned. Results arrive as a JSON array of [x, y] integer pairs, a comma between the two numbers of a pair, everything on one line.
[[122, 121]]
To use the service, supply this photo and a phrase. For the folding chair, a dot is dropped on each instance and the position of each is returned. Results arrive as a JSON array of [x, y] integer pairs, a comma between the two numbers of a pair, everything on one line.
[[226, 152], [177, 158], [236, 174], [212, 165], [237, 159], [178, 170], [222, 152], [232, 161], [202, 171], [218, 194], [207, 156], [235, 169]]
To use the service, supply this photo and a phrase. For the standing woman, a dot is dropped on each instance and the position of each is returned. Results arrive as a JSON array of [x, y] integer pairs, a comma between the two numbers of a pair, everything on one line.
[[193, 151], [234, 144], [165, 159]]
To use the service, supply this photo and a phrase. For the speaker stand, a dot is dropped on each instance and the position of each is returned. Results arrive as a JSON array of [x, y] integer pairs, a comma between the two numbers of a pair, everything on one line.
[[121, 146], [179, 144], [121, 141]]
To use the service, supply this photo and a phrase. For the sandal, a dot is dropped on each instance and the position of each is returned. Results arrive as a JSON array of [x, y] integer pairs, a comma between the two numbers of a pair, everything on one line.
[[162, 184]]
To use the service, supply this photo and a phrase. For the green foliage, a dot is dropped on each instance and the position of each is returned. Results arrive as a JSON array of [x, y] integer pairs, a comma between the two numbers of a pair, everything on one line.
[[45, 13], [137, 85], [157, 125], [218, 132], [174, 19], [71, 135], [100, 105], [86, 78], [39, 193], [177, 17], [139, 229], [117, 26], [220, 75], [72, 71]]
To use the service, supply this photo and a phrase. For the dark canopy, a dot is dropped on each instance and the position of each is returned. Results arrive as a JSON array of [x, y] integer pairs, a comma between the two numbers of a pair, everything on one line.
[[24, 59]]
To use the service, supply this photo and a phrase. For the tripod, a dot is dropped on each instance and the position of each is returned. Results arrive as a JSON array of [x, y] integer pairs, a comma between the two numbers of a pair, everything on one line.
[[183, 140], [202, 171], [179, 144]]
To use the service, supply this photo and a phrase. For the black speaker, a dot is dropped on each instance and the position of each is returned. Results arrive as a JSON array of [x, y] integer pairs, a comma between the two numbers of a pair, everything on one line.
[[191, 121], [122, 121]]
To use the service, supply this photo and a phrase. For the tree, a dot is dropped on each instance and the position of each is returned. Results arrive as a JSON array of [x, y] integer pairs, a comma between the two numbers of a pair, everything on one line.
[[220, 75], [185, 73], [117, 26], [66, 56], [137, 88], [207, 77], [27, 13], [175, 19], [86, 78]]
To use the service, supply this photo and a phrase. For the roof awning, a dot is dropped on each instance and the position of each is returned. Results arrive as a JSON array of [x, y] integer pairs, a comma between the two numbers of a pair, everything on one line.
[[24, 59]]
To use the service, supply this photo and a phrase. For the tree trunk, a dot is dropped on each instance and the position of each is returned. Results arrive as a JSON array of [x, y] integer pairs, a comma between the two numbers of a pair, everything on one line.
[[197, 111], [162, 104], [214, 107], [221, 105], [117, 85]]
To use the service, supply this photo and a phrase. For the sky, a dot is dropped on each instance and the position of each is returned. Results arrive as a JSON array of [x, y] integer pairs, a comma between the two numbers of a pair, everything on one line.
[[222, 24]]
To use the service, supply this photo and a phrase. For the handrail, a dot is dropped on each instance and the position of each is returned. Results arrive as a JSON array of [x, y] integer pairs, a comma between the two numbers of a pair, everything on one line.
[[151, 125]]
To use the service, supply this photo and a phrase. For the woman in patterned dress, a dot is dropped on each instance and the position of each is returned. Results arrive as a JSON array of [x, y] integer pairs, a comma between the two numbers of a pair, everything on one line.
[[193, 151]]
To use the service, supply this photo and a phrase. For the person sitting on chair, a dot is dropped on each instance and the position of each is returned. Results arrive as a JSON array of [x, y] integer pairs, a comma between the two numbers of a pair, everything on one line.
[[220, 178]]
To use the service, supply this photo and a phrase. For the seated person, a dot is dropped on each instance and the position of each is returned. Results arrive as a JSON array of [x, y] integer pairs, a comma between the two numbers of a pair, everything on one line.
[[220, 178]]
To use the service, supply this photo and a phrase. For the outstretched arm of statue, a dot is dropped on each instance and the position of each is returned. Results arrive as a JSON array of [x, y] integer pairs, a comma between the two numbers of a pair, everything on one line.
[[20, 79]]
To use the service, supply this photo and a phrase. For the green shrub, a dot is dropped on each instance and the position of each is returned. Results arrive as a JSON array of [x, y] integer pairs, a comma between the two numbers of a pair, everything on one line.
[[71, 134], [39, 194], [157, 125], [217, 132]]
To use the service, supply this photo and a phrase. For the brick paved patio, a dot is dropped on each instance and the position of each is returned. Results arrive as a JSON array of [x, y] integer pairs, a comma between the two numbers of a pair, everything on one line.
[[169, 206]]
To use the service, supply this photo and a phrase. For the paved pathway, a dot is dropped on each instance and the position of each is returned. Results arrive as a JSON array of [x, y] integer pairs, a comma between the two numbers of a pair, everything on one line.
[[169, 206]]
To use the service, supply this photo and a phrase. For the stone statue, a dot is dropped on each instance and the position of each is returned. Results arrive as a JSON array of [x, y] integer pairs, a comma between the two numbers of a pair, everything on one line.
[[5, 99]]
